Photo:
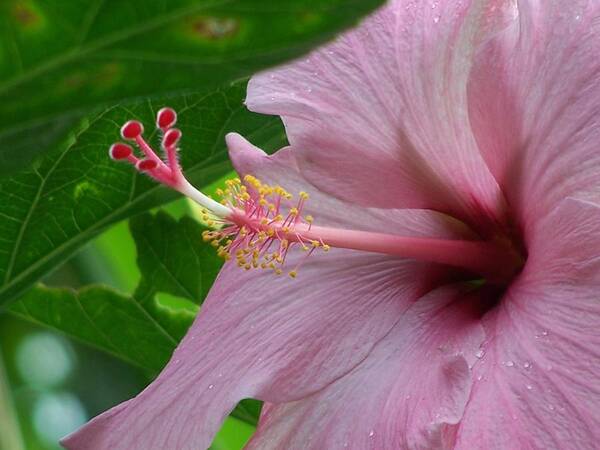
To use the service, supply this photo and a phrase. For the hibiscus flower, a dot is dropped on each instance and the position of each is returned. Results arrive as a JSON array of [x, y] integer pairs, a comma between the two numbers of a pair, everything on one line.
[[445, 245]]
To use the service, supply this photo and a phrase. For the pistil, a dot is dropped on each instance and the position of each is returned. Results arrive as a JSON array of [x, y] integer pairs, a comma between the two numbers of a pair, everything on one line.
[[259, 225]]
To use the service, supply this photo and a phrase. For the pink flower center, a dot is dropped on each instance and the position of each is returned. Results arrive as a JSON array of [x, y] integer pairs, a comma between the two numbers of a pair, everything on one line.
[[259, 224]]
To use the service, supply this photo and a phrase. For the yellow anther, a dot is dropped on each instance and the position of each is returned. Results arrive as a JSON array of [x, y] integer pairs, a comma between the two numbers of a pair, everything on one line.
[[326, 248], [285, 229], [247, 267], [285, 243], [304, 248], [214, 243], [219, 192], [294, 211], [303, 195], [293, 274], [315, 244], [309, 218], [278, 271]]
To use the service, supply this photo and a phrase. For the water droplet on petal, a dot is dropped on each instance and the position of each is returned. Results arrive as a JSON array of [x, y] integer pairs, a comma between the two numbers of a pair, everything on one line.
[[529, 387], [527, 365], [436, 19], [371, 433], [479, 354], [210, 386], [509, 364]]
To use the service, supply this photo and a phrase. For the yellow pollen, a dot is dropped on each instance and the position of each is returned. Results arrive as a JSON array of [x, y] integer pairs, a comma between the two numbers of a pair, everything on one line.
[[272, 219]]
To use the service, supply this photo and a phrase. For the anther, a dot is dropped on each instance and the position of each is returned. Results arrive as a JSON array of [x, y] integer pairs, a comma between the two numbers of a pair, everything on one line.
[[132, 129]]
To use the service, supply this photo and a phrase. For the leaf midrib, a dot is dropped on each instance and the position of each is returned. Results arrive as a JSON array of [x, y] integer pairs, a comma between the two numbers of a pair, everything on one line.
[[75, 52]]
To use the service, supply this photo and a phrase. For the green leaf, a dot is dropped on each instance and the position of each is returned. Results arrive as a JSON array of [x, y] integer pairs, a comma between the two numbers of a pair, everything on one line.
[[145, 327], [142, 328], [59, 60], [75, 191]]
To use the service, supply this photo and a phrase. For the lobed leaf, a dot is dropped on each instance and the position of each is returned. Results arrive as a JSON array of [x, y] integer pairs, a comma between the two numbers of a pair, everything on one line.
[[76, 191]]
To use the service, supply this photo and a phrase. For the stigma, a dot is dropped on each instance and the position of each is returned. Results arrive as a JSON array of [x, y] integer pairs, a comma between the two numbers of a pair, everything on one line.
[[259, 224]]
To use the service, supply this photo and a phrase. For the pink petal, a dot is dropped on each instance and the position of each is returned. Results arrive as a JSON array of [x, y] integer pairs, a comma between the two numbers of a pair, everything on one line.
[[539, 385], [410, 392], [380, 117], [269, 337], [534, 99], [282, 169], [266, 337]]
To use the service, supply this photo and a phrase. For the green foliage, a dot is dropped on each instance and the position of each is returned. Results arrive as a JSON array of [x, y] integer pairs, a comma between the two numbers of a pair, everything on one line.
[[144, 327], [59, 60], [76, 191]]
